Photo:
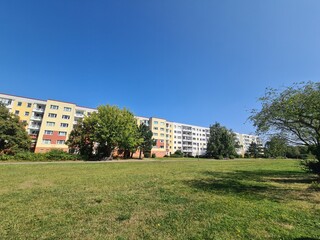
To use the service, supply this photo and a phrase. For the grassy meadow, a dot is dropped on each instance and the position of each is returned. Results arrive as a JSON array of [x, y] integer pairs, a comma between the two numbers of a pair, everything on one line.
[[162, 199]]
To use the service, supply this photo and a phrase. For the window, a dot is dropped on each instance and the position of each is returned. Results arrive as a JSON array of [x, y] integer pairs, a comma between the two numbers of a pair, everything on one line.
[[19, 104], [161, 129], [17, 112], [162, 135], [54, 107], [155, 128], [29, 105], [50, 124], [161, 141], [161, 123], [52, 115], [48, 132], [26, 113], [67, 109], [65, 117], [64, 125], [155, 134], [161, 146], [62, 133], [155, 122], [46, 141], [60, 141]]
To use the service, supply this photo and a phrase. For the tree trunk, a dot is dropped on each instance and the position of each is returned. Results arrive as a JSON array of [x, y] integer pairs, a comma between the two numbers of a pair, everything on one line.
[[140, 154]]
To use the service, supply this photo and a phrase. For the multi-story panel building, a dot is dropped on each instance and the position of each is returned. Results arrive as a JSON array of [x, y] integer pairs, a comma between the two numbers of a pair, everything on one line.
[[49, 123], [189, 139], [245, 140]]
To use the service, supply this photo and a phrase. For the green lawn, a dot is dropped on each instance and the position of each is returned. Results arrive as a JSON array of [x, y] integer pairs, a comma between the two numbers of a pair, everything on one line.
[[206, 199]]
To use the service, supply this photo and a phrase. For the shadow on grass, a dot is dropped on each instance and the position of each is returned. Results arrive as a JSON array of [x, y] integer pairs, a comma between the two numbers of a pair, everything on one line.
[[274, 185]]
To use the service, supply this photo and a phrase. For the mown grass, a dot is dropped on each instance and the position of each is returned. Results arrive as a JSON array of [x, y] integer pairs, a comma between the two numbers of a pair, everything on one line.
[[206, 199]]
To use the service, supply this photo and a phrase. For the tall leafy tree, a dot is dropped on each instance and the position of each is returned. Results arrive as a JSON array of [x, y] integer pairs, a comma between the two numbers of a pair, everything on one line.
[[276, 147], [255, 150], [148, 142], [81, 139], [221, 143], [294, 113], [13, 135]]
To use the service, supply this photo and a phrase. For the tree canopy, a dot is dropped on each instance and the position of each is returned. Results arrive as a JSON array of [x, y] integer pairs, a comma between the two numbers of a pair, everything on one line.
[[13, 135], [221, 143], [147, 141], [255, 150], [104, 131], [276, 147], [294, 113]]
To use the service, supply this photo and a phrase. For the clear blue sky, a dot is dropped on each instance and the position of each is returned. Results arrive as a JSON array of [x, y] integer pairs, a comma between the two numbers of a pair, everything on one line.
[[188, 61]]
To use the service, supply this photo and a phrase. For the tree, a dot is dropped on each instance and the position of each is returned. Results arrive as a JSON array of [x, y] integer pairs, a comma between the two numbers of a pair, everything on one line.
[[108, 130], [293, 152], [13, 135], [255, 150], [221, 143], [81, 139], [276, 147], [148, 142], [294, 113]]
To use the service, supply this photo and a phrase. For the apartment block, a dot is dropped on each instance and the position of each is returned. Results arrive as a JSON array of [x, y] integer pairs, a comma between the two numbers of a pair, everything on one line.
[[49, 123], [245, 140]]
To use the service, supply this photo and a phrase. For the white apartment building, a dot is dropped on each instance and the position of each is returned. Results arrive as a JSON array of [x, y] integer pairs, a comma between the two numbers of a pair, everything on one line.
[[245, 140], [191, 140]]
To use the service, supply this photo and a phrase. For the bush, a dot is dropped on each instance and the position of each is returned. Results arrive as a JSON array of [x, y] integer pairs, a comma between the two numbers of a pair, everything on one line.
[[53, 155], [153, 155], [57, 154], [315, 186], [146, 154], [312, 166]]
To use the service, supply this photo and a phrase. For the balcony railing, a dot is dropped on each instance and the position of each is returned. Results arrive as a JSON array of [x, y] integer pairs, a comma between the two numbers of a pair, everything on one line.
[[39, 118], [34, 126], [36, 109]]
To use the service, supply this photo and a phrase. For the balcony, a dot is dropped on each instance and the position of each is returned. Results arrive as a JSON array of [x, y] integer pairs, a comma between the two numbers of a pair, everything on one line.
[[34, 126], [36, 118], [81, 115], [36, 109]]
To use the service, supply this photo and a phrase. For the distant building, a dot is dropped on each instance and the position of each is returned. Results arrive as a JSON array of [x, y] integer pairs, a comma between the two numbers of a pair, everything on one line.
[[49, 123]]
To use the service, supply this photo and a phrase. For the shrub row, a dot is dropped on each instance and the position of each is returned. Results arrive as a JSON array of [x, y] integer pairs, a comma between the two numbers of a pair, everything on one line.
[[53, 155]]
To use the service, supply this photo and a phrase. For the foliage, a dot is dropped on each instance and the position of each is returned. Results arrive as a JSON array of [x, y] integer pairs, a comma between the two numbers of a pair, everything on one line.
[[294, 113], [276, 147], [293, 152], [147, 141], [311, 165], [221, 143], [81, 139], [153, 155], [13, 135], [255, 150], [102, 133], [177, 154], [53, 155]]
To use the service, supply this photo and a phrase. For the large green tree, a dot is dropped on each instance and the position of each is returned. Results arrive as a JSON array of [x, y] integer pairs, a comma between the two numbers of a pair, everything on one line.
[[81, 139], [222, 142], [13, 135], [276, 147], [148, 142], [293, 112], [255, 150], [108, 130]]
